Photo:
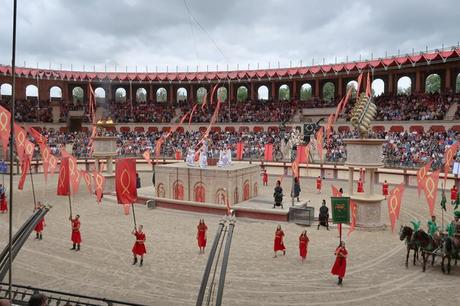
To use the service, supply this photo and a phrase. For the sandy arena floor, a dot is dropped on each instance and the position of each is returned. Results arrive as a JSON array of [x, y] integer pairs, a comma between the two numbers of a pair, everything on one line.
[[173, 268]]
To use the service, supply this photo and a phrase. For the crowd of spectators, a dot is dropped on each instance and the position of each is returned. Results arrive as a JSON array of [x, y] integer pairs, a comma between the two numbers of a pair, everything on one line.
[[30, 110], [400, 150]]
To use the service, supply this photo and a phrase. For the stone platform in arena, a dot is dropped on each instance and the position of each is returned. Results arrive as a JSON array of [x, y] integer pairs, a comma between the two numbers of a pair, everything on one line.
[[214, 185]]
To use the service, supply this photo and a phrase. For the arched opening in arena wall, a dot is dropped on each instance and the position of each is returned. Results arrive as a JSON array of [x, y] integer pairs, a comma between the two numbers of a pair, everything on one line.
[[181, 95], [120, 95], [55, 93], [262, 93], [31, 91], [457, 83], [284, 93], [242, 94], [328, 91], [141, 95], [200, 94], [100, 95], [378, 87], [404, 85], [306, 92], [6, 89], [78, 94], [162, 95], [222, 93], [354, 88], [433, 83]]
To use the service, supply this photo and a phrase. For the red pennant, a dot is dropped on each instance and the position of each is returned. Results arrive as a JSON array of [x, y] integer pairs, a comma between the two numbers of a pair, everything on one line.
[[52, 164], [368, 86], [295, 168], [360, 79], [125, 180], [99, 184], [29, 149], [25, 165], [421, 176], [191, 114], [20, 138], [5, 118], [203, 103], [39, 138], [335, 191], [87, 178], [158, 145], [430, 187], [330, 121], [268, 154], [394, 201], [46, 154], [319, 143], [353, 213], [63, 187], [146, 156], [74, 174], [301, 154], [449, 156], [239, 151]]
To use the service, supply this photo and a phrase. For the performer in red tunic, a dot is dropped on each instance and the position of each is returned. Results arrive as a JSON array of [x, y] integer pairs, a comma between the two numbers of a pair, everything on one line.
[[453, 194], [303, 245], [360, 185], [279, 241], [40, 225], [265, 178], [76, 237], [201, 235], [318, 184], [340, 264], [139, 245], [385, 189], [3, 203]]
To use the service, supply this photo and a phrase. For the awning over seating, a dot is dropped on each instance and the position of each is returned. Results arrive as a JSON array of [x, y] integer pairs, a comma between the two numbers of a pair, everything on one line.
[[258, 129], [438, 129], [396, 129], [344, 129], [243, 129], [152, 129], [230, 129], [416, 128], [125, 129], [139, 129], [378, 128]]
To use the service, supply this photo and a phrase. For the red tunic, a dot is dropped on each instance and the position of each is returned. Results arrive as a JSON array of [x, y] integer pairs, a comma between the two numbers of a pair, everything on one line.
[[3, 204], [139, 246], [76, 237], [340, 264], [201, 235], [303, 245], [385, 189], [40, 225], [453, 194], [265, 178], [318, 183], [279, 244], [360, 186]]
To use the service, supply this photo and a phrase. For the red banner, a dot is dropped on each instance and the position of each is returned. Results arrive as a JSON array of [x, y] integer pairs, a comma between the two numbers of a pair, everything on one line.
[[430, 187], [20, 137], [178, 155], [52, 164], [99, 184], [353, 213], [146, 156], [203, 103], [301, 154], [330, 120], [158, 145], [394, 201], [268, 154], [295, 168], [239, 151], [29, 149], [368, 85], [125, 180], [5, 118], [87, 178], [360, 79], [74, 174], [421, 176], [63, 187], [39, 138], [449, 156], [319, 143], [25, 165], [45, 153]]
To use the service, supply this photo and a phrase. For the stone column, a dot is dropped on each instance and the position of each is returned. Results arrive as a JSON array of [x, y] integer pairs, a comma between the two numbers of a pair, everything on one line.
[[351, 171]]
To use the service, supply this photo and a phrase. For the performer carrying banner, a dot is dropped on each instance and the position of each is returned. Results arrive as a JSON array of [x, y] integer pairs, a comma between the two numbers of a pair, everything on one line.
[[340, 264], [40, 225], [279, 241], [76, 236], [201, 235], [139, 245]]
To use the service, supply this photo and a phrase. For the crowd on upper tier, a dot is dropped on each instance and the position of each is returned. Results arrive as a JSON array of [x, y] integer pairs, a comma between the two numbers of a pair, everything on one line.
[[389, 107], [400, 149]]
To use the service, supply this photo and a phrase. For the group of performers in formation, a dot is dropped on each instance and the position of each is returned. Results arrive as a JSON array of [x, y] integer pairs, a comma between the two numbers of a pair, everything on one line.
[[225, 157]]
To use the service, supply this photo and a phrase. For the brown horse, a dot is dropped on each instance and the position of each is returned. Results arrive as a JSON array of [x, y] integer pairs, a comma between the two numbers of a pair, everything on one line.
[[450, 249], [406, 233], [428, 246]]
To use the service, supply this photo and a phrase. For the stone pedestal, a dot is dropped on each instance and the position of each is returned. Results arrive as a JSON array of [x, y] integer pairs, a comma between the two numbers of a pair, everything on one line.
[[105, 148], [235, 183], [367, 154]]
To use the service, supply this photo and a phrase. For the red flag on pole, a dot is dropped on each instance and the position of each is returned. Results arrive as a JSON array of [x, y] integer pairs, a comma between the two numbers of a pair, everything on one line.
[[301, 154], [5, 118], [394, 201], [239, 151], [39, 138], [353, 213], [74, 174], [146, 156], [330, 120], [20, 138], [430, 187], [449, 156], [29, 149], [360, 79], [52, 164], [25, 165], [158, 145], [63, 187], [99, 184], [191, 114], [125, 180], [335, 191], [203, 103], [268, 154], [295, 168], [87, 178], [319, 143], [421, 176], [46, 154], [368, 86]]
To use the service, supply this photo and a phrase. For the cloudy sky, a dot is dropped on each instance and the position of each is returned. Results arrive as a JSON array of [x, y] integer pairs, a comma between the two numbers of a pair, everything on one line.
[[157, 33]]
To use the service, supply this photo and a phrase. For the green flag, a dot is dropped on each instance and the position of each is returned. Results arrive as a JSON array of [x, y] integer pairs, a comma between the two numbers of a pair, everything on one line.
[[443, 201]]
